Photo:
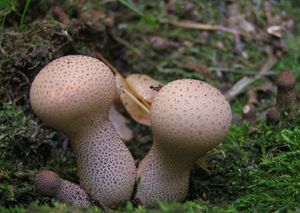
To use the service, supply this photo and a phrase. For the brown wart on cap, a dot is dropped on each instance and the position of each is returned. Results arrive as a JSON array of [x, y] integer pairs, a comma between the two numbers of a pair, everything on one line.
[[286, 93], [50, 184], [73, 94], [188, 118]]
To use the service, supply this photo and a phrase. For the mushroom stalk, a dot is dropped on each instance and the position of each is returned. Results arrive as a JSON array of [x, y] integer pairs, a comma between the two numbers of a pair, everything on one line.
[[159, 180], [104, 163]]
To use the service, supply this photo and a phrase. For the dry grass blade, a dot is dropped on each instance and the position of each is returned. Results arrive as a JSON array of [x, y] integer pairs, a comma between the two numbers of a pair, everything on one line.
[[101, 58], [200, 26], [133, 98], [200, 164]]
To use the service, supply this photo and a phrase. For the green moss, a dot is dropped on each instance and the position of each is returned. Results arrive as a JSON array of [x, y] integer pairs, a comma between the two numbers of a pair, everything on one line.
[[25, 148]]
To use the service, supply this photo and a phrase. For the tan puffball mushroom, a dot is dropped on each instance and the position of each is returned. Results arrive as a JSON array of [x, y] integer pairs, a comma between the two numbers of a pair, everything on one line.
[[188, 118], [73, 94], [50, 184], [286, 93]]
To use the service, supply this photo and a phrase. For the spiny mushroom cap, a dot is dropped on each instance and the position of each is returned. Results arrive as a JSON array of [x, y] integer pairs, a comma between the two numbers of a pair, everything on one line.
[[286, 80], [47, 182], [72, 87], [190, 114]]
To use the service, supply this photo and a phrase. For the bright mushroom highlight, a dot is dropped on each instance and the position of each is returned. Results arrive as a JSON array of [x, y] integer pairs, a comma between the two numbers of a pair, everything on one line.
[[73, 94], [48, 183], [188, 118]]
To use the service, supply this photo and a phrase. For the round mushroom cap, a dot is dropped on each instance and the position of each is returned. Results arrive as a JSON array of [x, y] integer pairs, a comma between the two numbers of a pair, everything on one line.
[[273, 116], [47, 182], [72, 87], [190, 114], [286, 80]]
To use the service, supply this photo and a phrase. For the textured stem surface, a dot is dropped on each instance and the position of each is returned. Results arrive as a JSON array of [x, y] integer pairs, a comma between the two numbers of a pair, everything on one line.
[[162, 177], [72, 194], [106, 167]]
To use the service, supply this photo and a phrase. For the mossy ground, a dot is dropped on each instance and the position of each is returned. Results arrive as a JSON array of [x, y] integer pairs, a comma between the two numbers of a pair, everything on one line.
[[255, 169]]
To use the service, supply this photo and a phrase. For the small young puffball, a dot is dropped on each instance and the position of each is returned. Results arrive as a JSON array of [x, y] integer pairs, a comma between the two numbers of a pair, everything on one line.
[[50, 184], [188, 118], [286, 93]]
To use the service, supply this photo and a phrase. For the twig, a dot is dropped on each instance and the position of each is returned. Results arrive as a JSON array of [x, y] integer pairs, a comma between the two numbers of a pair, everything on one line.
[[200, 26], [243, 83], [101, 58], [136, 101], [243, 72]]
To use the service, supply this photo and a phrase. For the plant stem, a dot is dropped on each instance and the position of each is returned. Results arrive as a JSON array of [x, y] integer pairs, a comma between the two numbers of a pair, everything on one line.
[[24, 13]]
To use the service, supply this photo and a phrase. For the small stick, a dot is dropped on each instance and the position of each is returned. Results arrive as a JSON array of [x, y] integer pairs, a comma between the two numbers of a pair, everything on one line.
[[136, 100], [100, 57], [243, 72], [200, 26]]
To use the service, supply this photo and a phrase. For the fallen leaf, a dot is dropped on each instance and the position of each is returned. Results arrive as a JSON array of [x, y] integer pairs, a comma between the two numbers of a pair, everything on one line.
[[143, 86], [137, 110], [119, 122], [276, 30]]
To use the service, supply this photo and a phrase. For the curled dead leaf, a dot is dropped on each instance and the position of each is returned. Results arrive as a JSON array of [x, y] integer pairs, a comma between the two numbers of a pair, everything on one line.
[[143, 86], [119, 122], [136, 108]]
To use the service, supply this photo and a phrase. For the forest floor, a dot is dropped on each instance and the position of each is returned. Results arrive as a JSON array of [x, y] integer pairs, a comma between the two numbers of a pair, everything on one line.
[[255, 169]]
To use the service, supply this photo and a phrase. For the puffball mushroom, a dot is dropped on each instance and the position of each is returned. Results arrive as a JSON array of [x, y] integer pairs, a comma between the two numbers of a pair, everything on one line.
[[286, 93], [50, 184], [188, 118], [73, 94]]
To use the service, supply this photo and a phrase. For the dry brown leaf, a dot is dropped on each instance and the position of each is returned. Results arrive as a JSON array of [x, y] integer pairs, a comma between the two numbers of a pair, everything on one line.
[[119, 122], [137, 110], [141, 85]]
